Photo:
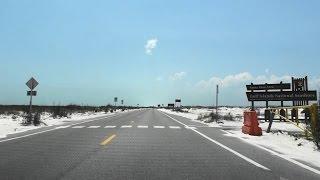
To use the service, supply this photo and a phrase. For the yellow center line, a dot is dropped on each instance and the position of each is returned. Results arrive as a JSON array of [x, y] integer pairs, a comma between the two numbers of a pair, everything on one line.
[[108, 140]]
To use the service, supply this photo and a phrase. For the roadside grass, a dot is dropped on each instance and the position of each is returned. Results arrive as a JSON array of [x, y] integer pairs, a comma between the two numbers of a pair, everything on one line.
[[214, 117], [16, 112]]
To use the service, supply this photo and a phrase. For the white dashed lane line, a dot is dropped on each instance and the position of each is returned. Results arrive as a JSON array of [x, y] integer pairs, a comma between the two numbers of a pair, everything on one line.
[[110, 127], [174, 127], [143, 127], [158, 127], [93, 127], [126, 126], [78, 127], [123, 127]]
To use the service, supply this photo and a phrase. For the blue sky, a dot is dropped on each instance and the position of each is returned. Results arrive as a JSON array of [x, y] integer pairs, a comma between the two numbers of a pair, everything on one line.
[[150, 52]]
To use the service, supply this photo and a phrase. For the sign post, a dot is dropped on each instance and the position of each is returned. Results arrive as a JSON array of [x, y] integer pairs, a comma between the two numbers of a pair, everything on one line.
[[115, 101], [32, 83]]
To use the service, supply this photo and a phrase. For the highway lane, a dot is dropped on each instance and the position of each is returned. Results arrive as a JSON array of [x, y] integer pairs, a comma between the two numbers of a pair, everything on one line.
[[144, 144]]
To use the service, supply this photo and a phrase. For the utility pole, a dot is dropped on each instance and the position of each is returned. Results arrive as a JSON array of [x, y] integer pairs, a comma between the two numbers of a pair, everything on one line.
[[319, 99], [217, 99]]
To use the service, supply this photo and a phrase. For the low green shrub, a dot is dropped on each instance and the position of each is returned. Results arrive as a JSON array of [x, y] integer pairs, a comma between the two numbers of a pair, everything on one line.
[[315, 125], [37, 119], [58, 111]]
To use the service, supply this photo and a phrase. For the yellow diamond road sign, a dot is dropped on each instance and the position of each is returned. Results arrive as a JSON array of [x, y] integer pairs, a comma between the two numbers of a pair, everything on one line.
[[32, 83]]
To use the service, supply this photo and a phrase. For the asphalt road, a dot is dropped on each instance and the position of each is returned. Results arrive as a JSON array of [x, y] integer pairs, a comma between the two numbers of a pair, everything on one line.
[[143, 144]]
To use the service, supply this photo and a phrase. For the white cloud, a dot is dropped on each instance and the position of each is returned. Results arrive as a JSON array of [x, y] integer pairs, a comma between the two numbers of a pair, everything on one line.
[[177, 76], [314, 83], [159, 78], [241, 79], [267, 71], [150, 45], [272, 79], [226, 81]]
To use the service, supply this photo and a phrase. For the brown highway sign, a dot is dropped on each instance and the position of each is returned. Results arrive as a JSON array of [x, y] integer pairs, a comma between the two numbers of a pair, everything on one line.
[[268, 86], [283, 96]]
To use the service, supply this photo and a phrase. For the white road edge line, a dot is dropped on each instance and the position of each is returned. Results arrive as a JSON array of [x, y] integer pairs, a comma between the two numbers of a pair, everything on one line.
[[62, 127], [40, 132], [279, 155], [223, 146]]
